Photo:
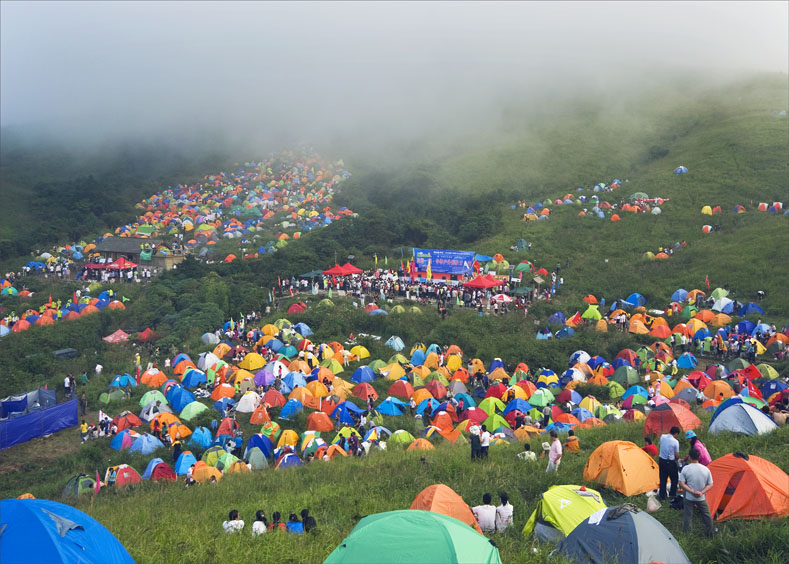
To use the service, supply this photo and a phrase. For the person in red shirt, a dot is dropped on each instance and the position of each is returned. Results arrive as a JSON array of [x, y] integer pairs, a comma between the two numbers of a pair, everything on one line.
[[649, 448]]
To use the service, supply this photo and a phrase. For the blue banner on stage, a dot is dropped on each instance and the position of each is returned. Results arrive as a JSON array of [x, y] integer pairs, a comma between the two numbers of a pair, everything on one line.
[[447, 262]]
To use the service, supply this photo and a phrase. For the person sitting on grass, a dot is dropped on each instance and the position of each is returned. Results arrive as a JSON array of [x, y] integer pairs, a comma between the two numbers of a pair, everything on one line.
[[233, 523], [260, 525], [503, 513], [572, 442], [308, 520], [294, 525], [527, 453], [275, 525], [485, 515]]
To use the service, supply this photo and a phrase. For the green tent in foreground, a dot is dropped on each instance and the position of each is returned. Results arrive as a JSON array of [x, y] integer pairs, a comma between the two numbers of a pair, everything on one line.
[[414, 536], [560, 510]]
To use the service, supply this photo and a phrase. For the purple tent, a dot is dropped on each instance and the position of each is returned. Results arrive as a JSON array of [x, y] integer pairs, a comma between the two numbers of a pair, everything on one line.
[[264, 378]]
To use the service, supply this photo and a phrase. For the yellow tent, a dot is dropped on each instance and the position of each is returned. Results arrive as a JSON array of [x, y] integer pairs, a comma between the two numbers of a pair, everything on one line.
[[706, 210], [289, 437], [393, 371], [253, 361], [360, 352], [270, 329], [454, 362]]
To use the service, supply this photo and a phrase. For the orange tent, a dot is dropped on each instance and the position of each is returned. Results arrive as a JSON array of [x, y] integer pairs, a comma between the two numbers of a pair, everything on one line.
[[420, 395], [335, 450], [300, 393], [259, 416], [461, 374], [274, 398], [442, 499], [317, 389], [716, 388], [401, 389], [223, 391], [592, 422], [623, 467], [443, 421], [153, 377], [319, 421], [638, 327], [364, 391], [205, 473], [420, 444], [747, 489], [527, 386], [665, 416]]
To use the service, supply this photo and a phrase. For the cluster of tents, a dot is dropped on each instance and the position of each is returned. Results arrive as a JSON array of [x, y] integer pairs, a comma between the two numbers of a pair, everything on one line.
[[51, 312], [689, 320]]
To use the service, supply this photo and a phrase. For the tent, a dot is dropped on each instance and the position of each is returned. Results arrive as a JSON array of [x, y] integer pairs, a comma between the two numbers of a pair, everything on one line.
[[665, 416], [736, 416], [146, 444], [400, 536], [747, 487], [39, 530], [560, 510], [621, 534], [442, 499], [184, 462], [78, 485], [623, 467]]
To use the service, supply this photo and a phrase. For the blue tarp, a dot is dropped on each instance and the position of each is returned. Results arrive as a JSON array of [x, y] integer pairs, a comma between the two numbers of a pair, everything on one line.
[[37, 424]]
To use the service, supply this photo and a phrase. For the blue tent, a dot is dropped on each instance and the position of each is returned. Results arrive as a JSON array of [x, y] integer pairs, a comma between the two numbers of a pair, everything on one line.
[[433, 403], [148, 469], [39, 530], [636, 299], [117, 440], [291, 407], [581, 414], [303, 329], [701, 334], [146, 444], [343, 412], [596, 361], [123, 381], [194, 378], [222, 404], [180, 398], [391, 406], [761, 327], [395, 343], [618, 362], [558, 427], [772, 387], [750, 309], [382, 433], [745, 327], [289, 461], [565, 332], [482, 258], [418, 357], [557, 318], [687, 361], [291, 381], [494, 364], [201, 437], [544, 334], [185, 460], [363, 374], [635, 390], [741, 418], [680, 170], [680, 295], [262, 442], [274, 345], [468, 401], [178, 358], [517, 404]]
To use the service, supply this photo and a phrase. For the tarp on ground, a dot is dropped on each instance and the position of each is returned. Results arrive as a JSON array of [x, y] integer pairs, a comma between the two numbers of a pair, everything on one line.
[[38, 423]]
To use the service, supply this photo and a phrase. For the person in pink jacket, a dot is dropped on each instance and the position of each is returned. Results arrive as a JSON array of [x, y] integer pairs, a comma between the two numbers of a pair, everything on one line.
[[704, 455]]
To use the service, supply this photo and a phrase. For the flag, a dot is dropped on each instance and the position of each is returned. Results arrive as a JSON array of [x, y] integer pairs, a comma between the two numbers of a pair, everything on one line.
[[102, 416], [97, 487], [291, 292], [269, 296], [376, 260], [429, 271], [708, 282], [386, 261], [50, 300], [329, 293], [279, 281], [401, 266], [75, 297]]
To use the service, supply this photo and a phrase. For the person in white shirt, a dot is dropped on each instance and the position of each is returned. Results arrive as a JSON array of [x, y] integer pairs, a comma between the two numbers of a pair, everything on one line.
[[667, 463], [503, 513], [527, 454], [233, 523], [260, 525], [485, 515], [484, 442], [554, 453]]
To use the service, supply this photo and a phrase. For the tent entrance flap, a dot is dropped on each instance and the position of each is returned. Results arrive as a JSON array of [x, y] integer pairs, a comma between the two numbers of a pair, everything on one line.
[[730, 489]]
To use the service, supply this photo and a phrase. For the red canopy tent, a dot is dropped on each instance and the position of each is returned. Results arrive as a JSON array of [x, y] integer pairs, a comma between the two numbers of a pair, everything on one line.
[[119, 336], [351, 269], [482, 283], [122, 263], [335, 270]]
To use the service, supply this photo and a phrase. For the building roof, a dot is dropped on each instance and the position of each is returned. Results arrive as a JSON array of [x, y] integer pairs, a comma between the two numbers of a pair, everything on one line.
[[126, 245]]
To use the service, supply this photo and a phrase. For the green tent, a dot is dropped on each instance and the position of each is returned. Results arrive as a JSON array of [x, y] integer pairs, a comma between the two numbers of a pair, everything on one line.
[[414, 309], [257, 459], [332, 365], [719, 293], [592, 313], [398, 309], [311, 274], [495, 421], [626, 376], [114, 395], [401, 437], [376, 365], [767, 371], [78, 485], [397, 357], [649, 255], [644, 353], [604, 410], [225, 461], [521, 290], [192, 410], [213, 454], [325, 302], [436, 375], [415, 536], [615, 390], [153, 395], [491, 404], [542, 397], [210, 374], [560, 510]]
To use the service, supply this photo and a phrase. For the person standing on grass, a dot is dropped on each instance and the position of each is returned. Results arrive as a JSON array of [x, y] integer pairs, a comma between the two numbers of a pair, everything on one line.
[[667, 463], [484, 442], [83, 403], [695, 443], [554, 453], [696, 481], [474, 432]]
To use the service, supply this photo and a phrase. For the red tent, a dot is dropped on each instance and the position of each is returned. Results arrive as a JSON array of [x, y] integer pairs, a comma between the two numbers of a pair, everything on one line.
[[493, 280], [146, 335], [351, 269], [481, 282], [335, 270], [120, 336], [664, 417], [299, 307], [121, 263], [162, 472]]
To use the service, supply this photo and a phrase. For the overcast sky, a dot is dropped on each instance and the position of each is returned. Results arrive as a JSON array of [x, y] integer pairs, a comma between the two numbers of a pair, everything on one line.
[[142, 68]]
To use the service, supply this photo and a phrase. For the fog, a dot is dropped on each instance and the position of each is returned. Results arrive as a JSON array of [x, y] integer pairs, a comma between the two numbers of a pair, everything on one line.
[[263, 75]]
